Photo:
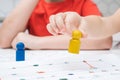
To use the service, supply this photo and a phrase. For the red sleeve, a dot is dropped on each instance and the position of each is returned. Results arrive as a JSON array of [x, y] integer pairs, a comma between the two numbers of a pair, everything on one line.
[[90, 8]]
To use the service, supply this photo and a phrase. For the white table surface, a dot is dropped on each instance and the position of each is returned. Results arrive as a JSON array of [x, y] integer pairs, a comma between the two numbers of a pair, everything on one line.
[[59, 64]]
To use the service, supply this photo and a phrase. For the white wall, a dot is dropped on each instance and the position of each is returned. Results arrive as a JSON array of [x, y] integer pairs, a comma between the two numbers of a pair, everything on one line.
[[108, 7], [6, 6]]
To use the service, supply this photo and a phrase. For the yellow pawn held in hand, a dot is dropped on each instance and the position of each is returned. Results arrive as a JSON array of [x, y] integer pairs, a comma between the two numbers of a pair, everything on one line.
[[74, 45]]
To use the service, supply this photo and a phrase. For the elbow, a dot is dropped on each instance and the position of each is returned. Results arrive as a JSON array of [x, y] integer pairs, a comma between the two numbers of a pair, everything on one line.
[[100, 44], [104, 44], [107, 44]]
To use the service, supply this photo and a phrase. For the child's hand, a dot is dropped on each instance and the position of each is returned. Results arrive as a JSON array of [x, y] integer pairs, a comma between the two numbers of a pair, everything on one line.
[[27, 39], [64, 23], [30, 41], [19, 38]]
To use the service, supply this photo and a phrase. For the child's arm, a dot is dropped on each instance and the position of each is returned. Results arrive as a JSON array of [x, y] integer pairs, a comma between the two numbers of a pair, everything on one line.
[[93, 26], [115, 22], [16, 22], [100, 27], [67, 22], [58, 42]]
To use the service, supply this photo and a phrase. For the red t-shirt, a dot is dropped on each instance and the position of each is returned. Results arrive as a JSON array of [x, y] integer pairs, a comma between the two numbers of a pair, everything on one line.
[[40, 16]]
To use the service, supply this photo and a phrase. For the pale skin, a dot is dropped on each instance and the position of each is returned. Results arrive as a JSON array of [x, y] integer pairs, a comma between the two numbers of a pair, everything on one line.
[[13, 27], [94, 27], [16, 22], [106, 26]]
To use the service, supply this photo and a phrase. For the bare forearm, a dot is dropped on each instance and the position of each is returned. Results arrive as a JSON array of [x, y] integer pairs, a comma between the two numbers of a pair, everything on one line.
[[100, 44], [16, 21], [93, 26], [110, 25], [114, 21], [101, 27], [50, 42], [62, 42]]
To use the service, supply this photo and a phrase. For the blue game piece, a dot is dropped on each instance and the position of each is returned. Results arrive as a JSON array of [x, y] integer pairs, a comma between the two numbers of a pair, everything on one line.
[[20, 52], [20, 45]]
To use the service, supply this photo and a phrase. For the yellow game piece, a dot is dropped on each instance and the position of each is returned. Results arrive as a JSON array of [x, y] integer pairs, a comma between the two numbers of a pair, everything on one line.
[[74, 45]]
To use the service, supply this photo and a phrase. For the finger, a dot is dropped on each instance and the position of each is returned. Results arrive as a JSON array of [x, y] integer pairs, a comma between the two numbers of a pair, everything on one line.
[[69, 26], [82, 28], [60, 22], [74, 19], [53, 23], [51, 30]]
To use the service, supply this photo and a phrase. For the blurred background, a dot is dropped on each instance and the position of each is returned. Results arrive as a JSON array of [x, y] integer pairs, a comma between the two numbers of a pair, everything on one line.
[[107, 7]]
